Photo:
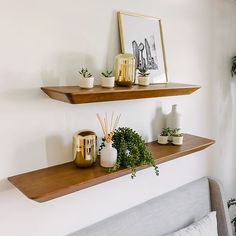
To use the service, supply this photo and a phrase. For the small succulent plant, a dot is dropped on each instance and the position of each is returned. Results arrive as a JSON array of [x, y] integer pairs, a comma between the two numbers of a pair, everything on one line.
[[84, 72], [176, 133], [165, 132], [233, 69], [143, 71], [107, 73]]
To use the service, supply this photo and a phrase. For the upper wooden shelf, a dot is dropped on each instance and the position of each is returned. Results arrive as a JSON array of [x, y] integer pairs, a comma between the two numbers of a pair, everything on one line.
[[76, 95], [52, 182]]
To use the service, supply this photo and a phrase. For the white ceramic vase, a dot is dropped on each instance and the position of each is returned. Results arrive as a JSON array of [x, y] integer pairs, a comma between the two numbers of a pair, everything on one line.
[[143, 80], [108, 82], [86, 82], [162, 139], [173, 119], [177, 140], [108, 156]]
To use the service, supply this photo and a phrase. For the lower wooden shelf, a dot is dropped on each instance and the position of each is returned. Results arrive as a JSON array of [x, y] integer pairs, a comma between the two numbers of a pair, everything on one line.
[[52, 182]]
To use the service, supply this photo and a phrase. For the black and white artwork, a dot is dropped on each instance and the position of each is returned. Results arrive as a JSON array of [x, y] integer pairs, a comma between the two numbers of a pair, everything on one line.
[[144, 56], [142, 37]]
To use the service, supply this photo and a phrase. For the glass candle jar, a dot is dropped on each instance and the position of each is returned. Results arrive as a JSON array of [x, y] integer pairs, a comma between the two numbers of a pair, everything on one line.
[[124, 70]]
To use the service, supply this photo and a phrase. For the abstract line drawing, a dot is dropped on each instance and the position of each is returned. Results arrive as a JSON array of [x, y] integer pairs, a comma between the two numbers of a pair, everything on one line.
[[143, 55]]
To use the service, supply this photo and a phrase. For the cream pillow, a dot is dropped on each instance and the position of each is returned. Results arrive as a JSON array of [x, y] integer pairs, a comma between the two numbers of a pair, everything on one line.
[[207, 226]]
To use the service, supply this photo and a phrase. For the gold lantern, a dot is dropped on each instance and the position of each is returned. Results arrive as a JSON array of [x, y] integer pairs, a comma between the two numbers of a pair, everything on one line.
[[124, 70]]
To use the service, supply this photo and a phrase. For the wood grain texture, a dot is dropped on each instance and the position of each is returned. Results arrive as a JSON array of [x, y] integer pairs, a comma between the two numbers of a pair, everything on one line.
[[76, 95], [52, 182]]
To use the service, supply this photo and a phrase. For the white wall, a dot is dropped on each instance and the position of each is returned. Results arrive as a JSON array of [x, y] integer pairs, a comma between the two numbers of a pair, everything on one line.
[[45, 42]]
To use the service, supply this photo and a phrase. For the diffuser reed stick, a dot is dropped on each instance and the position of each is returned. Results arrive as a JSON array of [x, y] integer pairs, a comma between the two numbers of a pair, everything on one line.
[[108, 132]]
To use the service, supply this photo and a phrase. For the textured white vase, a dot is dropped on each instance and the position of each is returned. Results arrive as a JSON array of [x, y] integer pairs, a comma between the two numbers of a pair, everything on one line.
[[173, 119], [177, 140], [162, 139], [86, 82], [108, 156], [107, 82]]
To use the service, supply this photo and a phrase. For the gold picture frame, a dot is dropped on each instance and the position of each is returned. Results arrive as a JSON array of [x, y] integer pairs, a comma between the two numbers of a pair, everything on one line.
[[141, 34]]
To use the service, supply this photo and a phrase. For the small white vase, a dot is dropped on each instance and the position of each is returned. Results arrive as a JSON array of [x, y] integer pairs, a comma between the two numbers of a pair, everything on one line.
[[177, 140], [108, 156], [108, 82], [162, 139], [86, 82], [143, 80]]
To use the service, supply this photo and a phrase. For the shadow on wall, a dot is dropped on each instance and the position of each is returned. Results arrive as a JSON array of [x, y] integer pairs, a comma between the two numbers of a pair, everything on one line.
[[5, 185], [64, 68], [21, 96], [158, 122], [57, 152]]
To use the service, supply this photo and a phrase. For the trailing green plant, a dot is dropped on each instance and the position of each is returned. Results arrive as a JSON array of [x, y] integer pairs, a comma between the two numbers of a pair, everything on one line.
[[85, 73], [107, 73], [233, 69], [232, 202], [131, 151], [143, 71], [176, 133], [165, 132]]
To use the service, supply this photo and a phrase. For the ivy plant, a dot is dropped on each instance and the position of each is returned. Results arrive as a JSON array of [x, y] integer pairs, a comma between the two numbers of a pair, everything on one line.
[[233, 69], [131, 151]]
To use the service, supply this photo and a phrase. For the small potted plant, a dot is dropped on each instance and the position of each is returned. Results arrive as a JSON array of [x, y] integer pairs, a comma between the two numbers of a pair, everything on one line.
[[233, 69], [177, 137], [86, 80], [143, 78], [107, 80], [163, 137]]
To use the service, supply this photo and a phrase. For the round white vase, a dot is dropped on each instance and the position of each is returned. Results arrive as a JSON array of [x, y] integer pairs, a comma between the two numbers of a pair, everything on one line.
[[108, 156]]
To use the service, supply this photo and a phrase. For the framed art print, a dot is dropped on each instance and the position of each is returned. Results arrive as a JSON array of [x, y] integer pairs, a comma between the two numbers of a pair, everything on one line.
[[142, 37]]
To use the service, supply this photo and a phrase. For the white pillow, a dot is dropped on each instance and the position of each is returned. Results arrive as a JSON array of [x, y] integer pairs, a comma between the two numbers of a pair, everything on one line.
[[207, 226]]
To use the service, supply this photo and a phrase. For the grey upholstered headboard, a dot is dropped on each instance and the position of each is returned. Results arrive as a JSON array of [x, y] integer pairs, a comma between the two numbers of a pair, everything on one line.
[[167, 213]]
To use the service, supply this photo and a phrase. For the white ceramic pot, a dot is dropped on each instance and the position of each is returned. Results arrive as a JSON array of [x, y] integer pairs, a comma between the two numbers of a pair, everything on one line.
[[143, 80], [108, 82], [108, 156], [86, 82], [162, 139], [177, 140]]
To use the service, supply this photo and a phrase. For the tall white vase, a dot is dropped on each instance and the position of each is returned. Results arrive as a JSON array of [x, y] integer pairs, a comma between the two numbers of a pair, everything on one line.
[[108, 156], [173, 119]]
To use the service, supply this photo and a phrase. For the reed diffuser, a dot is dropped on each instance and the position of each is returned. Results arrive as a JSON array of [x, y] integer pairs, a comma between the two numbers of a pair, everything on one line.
[[108, 153]]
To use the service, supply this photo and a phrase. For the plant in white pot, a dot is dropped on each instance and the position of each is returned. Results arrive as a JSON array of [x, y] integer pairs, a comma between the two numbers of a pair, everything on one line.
[[177, 137], [233, 69], [163, 137], [86, 80], [107, 80], [143, 78]]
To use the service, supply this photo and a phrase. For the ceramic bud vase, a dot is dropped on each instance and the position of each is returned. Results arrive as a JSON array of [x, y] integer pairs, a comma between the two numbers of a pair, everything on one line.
[[173, 119], [108, 156]]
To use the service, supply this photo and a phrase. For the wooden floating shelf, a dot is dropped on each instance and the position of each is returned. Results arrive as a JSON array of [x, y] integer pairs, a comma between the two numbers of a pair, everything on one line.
[[52, 182], [76, 95]]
